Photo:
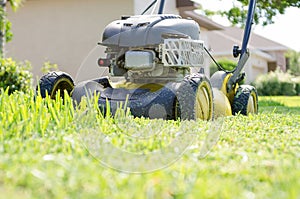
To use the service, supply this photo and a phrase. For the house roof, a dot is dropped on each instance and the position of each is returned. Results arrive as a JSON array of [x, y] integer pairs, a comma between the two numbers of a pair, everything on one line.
[[201, 20], [184, 3], [186, 10], [224, 39]]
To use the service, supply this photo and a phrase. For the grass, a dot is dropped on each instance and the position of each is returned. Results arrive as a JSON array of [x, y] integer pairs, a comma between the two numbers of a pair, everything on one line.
[[43, 155], [280, 104]]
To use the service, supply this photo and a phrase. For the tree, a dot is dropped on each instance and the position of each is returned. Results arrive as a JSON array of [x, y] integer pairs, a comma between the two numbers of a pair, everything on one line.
[[5, 25], [293, 62], [265, 10]]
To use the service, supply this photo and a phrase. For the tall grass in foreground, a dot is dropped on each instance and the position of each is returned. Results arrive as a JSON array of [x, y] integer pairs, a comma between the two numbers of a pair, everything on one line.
[[25, 115], [42, 154]]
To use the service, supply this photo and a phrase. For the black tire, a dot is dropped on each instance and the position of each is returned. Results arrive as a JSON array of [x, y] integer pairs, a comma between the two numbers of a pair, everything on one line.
[[245, 101], [87, 89], [53, 82], [194, 98]]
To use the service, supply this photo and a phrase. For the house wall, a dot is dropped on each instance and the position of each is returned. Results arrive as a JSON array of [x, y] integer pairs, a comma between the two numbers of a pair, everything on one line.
[[279, 55], [65, 32], [258, 67]]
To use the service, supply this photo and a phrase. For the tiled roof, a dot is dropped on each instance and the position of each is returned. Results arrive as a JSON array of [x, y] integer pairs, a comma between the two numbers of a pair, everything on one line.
[[201, 20], [223, 38], [222, 41], [186, 10]]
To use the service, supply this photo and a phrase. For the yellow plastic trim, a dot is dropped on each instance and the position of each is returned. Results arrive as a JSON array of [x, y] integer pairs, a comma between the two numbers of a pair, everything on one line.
[[252, 104], [130, 85], [204, 102], [222, 105], [224, 85], [229, 95]]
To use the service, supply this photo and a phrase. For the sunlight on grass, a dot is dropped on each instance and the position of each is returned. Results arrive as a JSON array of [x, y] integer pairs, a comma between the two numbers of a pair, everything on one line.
[[42, 154], [290, 101], [280, 105]]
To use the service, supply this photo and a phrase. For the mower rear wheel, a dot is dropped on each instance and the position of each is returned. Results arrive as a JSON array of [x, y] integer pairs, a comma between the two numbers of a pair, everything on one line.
[[245, 101], [194, 98], [53, 82]]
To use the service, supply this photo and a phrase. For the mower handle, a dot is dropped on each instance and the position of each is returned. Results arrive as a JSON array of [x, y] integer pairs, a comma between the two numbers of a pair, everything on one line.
[[244, 53], [161, 7]]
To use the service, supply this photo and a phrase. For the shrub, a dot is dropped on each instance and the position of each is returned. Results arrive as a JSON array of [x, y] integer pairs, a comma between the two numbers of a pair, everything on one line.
[[15, 76], [298, 88], [297, 84], [288, 88], [287, 85], [267, 84], [275, 83], [48, 66], [213, 68], [225, 63]]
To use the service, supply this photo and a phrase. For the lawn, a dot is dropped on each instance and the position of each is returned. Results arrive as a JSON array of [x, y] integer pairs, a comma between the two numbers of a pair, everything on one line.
[[49, 150]]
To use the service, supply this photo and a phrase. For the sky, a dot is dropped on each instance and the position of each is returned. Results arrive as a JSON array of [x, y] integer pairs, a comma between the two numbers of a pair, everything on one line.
[[284, 30]]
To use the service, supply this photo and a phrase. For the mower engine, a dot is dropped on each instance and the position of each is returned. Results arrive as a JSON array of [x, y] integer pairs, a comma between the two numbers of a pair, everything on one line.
[[150, 48]]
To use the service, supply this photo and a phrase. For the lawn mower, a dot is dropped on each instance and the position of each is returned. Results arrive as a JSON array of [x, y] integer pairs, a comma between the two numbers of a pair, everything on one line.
[[155, 54]]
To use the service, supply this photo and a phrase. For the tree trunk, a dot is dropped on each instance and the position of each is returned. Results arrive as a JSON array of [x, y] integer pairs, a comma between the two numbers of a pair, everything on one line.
[[2, 25]]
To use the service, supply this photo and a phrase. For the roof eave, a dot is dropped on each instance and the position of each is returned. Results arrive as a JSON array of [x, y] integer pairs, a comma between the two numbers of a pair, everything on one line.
[[203, 21], [254, 52], [272, 49]]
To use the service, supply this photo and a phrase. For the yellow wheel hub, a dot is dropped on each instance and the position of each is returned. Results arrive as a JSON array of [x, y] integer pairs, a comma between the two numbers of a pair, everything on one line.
[[203, 102]]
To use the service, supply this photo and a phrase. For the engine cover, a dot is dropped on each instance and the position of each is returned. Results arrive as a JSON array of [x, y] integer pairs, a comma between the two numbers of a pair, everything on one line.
[[148, 30]]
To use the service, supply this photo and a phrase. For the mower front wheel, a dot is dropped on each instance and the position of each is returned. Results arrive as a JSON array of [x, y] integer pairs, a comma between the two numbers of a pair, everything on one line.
[[53, 82], [194, 98], [245, 101]]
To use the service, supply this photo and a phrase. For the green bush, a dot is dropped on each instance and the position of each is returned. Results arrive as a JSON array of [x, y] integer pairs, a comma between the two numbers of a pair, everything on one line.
[[298, 88], [213, 68], [225, 63], [267, 85], [15, 75], [276, 83], [48, 66], [297, 84], [288, 88]]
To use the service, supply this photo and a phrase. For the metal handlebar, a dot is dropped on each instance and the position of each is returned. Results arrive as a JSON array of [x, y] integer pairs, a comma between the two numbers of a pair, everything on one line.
[[244, 53]]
